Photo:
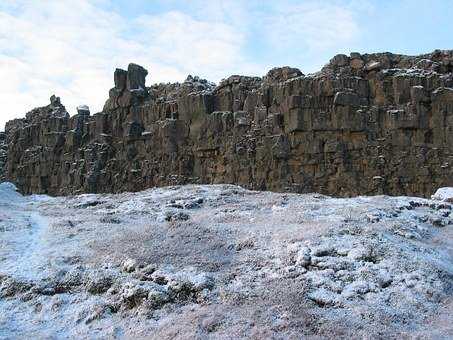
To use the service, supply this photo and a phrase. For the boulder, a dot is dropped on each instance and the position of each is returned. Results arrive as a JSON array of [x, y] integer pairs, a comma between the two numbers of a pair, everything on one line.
[[357, 64], [83, 110], [55, 101], [373, 65], [281, 74], [120, 79], [136, 76], [339, 60]]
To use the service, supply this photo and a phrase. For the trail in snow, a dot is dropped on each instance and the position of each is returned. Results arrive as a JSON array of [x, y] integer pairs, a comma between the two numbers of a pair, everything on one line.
[[22, 236]]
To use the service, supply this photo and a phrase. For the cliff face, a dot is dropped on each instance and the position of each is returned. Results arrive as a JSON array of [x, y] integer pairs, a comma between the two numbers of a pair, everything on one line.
[[3, 154], [364, 124]]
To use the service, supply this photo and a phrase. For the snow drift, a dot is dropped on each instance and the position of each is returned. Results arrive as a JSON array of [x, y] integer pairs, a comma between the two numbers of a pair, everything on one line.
[[223, 262]]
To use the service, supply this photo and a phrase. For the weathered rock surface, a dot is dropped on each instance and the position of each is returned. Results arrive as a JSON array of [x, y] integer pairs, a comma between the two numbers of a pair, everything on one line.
[[3, 155], [365, 124]]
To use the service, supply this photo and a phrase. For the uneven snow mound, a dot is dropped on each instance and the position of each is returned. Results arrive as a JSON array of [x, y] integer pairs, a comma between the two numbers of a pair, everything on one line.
[[444, 194], [222, 262]]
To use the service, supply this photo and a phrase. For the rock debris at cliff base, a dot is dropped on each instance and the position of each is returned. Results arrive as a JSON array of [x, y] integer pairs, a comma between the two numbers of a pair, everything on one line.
[[365, 124], [223, 262]]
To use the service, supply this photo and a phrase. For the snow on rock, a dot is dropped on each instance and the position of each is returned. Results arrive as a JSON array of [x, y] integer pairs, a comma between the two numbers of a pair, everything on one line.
[[129, 265], [83, 109], [222, 262], [444, 194], [9, 194]]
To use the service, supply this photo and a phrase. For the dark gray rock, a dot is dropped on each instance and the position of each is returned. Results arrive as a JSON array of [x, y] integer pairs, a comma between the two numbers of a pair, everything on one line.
[[136, 76], [120, 79], [3, 155], [365, 124]]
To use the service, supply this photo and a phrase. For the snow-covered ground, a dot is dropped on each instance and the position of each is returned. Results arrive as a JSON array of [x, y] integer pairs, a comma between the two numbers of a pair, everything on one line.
[[222, 262]]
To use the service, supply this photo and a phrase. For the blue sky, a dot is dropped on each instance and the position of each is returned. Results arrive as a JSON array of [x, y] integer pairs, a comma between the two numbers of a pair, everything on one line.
[[71, 48]]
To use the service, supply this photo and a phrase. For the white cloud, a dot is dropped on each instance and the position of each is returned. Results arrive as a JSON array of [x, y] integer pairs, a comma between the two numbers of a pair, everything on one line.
[[312, 25], [53, 48], [212, 48], [71, 48]]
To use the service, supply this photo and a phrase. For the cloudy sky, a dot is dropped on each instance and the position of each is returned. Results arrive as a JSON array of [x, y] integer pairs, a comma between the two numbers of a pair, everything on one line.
[[71, 48]]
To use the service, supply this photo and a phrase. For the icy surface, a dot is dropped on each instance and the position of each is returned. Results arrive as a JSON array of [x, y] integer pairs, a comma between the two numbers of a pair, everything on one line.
[[197, 262]]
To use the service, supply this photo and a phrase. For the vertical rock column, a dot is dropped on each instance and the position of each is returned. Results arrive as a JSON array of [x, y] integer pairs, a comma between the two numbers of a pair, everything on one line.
[[3, 155]]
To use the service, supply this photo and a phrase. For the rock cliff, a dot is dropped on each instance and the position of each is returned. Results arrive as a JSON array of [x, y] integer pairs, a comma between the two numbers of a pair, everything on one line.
[[365, 124], [3, 152]]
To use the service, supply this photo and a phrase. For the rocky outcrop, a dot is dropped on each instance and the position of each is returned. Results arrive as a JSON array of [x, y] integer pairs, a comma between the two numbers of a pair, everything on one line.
[[3, 155], [365, 124]]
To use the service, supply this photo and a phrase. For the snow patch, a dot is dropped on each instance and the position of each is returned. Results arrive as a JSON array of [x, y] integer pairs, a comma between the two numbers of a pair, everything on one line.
[[9, 194], [365, 266], [443, 194]]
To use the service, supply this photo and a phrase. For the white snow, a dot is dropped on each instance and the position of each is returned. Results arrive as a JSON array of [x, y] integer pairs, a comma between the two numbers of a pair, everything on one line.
[[126, 265], [443, 194], [24, 246], [9, 194], [83, 108]]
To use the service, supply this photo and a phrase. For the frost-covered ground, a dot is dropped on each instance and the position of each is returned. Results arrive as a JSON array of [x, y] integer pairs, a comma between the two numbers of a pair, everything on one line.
[[221, 262]]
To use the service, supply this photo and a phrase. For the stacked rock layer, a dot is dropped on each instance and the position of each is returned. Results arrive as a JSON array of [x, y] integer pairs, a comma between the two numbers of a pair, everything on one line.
[[365, 124], [3, 155]]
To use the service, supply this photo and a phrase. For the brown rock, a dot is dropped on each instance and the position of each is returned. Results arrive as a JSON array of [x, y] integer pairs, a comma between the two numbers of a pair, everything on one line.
[[136, 76], [357, 64], [120, 79], [281, 74], [339, 60], [373, 65], [341, 131]]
